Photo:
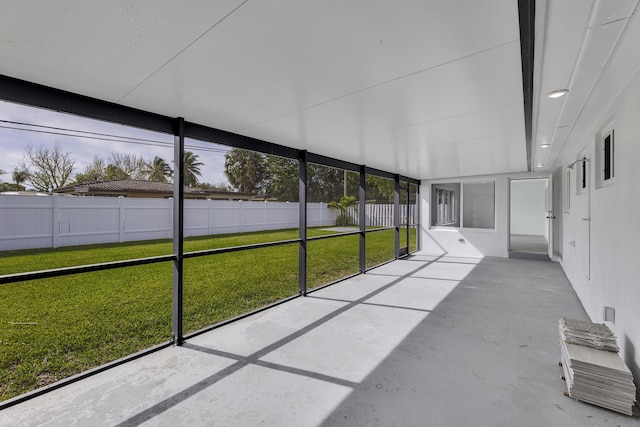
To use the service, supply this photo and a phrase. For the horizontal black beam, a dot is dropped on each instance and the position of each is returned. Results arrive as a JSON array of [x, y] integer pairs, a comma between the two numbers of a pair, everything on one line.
[[409, 180], [378, 172], [205, 252], [23, 92], [329, 236], [218, 136], [66, 271], [334, 163], [373, 230]]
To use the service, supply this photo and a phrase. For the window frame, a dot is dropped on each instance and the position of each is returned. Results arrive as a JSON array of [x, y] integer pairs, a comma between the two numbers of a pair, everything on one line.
[[458, 207], [605, 155]]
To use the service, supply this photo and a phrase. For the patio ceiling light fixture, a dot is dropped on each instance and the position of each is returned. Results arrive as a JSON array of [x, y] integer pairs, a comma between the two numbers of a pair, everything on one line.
[[545, 145], [557, 93]]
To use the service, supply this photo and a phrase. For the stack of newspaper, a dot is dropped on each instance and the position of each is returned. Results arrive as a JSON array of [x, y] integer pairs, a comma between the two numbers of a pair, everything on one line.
[[582, 332], [593, 374]]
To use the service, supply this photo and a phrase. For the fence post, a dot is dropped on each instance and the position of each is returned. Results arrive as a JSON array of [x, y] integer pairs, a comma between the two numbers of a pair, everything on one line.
[[170, 199], [321, 217], [266, 215], [209, 215], [240, 215], [121, 219], [55, 215]]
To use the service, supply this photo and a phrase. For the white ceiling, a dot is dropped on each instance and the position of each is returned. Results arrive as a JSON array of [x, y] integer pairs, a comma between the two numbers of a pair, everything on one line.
[[576, 42], [423, 88]]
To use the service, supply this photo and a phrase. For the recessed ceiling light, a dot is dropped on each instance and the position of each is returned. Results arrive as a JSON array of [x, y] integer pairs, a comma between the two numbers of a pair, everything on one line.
[[557, 93], [539, 165], [545, 145]]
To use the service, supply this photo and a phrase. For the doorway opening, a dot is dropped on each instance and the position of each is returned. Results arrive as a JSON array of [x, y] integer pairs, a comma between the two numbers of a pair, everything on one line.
[[530, 219]]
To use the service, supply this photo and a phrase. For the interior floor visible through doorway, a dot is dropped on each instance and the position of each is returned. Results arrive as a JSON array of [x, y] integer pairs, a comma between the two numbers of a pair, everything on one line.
[[529, 243]]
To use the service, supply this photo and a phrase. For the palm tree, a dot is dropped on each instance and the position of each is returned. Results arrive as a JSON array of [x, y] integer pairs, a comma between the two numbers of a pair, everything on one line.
[[158, 170], [343, 205], [245, 170], [191, 169], [19, 176]]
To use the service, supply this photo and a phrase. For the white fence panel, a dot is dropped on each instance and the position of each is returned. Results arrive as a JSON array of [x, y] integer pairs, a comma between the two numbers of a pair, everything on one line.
[[25, 222], [146, 219], [197, 217], [82, 223], [318, 215], [29, 222], [227, 217], [381, 215], [254, 216]]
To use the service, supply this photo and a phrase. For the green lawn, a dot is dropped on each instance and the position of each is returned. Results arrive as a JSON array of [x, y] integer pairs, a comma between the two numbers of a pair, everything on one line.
[[53, 328]]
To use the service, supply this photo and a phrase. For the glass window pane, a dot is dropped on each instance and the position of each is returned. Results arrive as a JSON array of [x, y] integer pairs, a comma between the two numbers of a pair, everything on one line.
[[445, 204], [479, 205]]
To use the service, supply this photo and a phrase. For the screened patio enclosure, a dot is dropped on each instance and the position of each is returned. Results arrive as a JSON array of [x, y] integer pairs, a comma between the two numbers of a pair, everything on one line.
[[379, 95]]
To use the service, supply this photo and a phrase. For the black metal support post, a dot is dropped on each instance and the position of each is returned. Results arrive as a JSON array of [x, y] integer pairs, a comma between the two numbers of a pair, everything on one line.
[[178, 233], [302, 226], [416, 218], [396, 215], [362, 219]]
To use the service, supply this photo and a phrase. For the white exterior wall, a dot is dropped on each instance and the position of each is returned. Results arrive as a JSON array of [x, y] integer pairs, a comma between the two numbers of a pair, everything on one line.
[[475, 242], [614, 262]]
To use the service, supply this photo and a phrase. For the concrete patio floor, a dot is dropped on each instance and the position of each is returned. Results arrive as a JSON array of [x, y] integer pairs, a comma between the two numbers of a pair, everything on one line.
[[425, 341]]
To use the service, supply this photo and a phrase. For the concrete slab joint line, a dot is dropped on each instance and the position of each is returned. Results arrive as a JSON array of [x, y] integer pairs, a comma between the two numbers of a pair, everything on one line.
[[183, 395]]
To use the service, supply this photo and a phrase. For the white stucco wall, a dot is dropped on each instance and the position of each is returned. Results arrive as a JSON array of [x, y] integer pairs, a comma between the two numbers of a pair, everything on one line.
[[610, 274], [470, 242]]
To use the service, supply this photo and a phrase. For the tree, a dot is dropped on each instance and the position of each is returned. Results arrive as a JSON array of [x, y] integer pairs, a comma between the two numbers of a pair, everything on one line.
[[380, 190], [96, 171], [246, 170], [282, 179], [342, 205], [158, 170], [125, 166], [48, 168], [19, 176], [220, 186], [191, 169]]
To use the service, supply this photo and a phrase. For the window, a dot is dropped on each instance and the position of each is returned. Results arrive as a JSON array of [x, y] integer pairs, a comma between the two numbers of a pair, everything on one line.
[[605, 143], [478, 205], [445, 205], [476, 201]]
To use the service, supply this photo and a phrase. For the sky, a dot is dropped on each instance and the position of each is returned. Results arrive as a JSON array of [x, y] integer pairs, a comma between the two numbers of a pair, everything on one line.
[[22, 125]]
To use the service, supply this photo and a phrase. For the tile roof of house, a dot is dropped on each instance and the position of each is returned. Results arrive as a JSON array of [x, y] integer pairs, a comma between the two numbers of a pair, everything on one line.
[[135, 185]]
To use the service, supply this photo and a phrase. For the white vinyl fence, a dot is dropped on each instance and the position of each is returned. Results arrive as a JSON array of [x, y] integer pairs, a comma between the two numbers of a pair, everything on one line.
[[378, 215], [28, 222]]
